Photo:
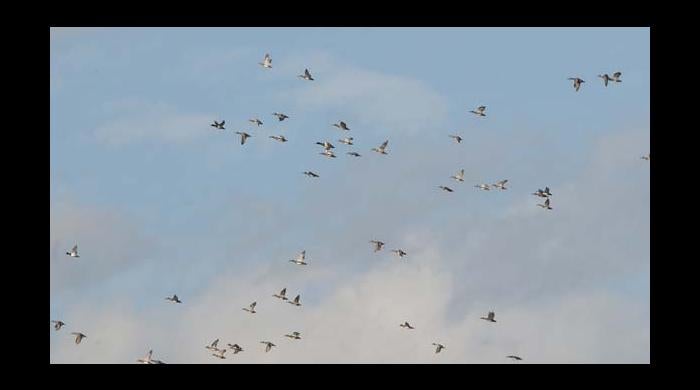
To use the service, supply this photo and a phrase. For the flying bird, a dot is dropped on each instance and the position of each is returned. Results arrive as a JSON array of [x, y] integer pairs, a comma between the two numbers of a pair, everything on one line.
[[174, 299], [146, 359], [342, 126], [457, 138], [311, 174], [279, 138], [294, 335], [616, 77], [577, 82], [244, 136], [326, 145], [213, 345], [382, 148], [500, 184], [78, 337], [514, 357], [73, 252], [448, 189], [251, 308], [489, 317], [438, 347], [399, 252], [282, 294], [647, 157], [406, 325], [299, 260], [459, 176], [546, 191], [295, 302], [377, 245], [328, 153], [306, 75], [280, 116], [484, 187], [346, 141], [236, 348], [606, 78], [268, 344], [354, 154], [267, 62], [545, 205], [58, 324], [479, 111], [256, 121], [218, 125], [220, 354]]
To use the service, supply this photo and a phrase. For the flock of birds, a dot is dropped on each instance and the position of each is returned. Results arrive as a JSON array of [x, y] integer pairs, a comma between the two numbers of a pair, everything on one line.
[[377, 245]]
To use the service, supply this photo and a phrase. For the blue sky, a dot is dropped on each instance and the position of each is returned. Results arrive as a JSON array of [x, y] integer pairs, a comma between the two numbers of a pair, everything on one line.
[[160, 202]]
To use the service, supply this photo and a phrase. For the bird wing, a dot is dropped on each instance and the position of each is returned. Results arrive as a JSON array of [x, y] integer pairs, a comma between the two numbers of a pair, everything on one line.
[[617, 75], [75, 249], [283, 292], [306, 73], [252, 305], [383, 146]]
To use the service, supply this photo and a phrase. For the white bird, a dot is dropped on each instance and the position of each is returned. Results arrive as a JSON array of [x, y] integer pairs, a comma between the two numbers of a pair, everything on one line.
[[279, 138], [146, 359], [382, 148], [479, 111], [218, 125], [269, 345], [78, 337], [448, 189], [251, 308], [406, 325], [294, 335], [236, 348], [438, 347], [459, 176], [282, 294], [299, 260], [310, 174], [267, 61], [346, 141], [489, 317], [399, 252], [244, 136], [213, 345], [484, 187], [546, 191], [295, 302], [220, 354], [377, 245], [577, 82], [500, 184], [342, 126], [174, 299], [545, 205], [73, 252], [306, 75], [327, 153], [256, 121], [616, 77], [326, 145], [58, 324], [457, 138], [647, 157], [280, 116], [354, 154]]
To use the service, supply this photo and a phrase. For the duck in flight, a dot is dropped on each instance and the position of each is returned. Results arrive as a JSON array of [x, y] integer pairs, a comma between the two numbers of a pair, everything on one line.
[[438, 347], [280, 116], [484, 187], [279, 138], [459, 176], [448, 189], [282, 294], [514, 357], [213, 345], [58, 324], [342, 126], [219, 353], [310, 174], [244, 136], [545, 205], [146, 359], [294, 335], [73, 252], [489, 317], [615, 78], [267, 61], [500, 185], [251, 308], [306, 75], [346, 141], [78, 337], [577, 82], [173, 299], [377, 245], [399, 252], [479, 111], [218, 125], [326, 145], [299, 260], [327, 153], [382, 148], [256, 121], [268, 345], [235, 348], [295, 302], [406, 325], [646, 157], [457, 138], [354, 154]]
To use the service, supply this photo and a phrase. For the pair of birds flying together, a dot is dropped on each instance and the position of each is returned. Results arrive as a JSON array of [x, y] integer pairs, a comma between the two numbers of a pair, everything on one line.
[[283, 296], [267, 64], [606, 78], [378, 245], [544, 194]]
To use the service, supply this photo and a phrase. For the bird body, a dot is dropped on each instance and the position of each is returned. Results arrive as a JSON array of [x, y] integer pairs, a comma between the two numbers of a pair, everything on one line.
[[448, 189], [295, 302], [646, 157], [294, 335], [213, 345], [459, 176], [78, 337], [280, 116], [282, 294], [279, 138], [382, 148], [377, 245], [328, 153], [220, 354], [251, 308], [268, 345], [173, 299], [218, 125], [326, 145], [457, 138], [406, 325], [490, 317], [58, 324], [399, 252], [146, 359], [354, 154], [500, 185], [256, 121], [310, 174], [480, 111], [438, 347], [342, 126], [346, 141], [514, 357], [545, 205], [484, 187], [577, 82], [73, 252], [306, 75], [300, 258], [267, 62], [244, 136], [235, 348]]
